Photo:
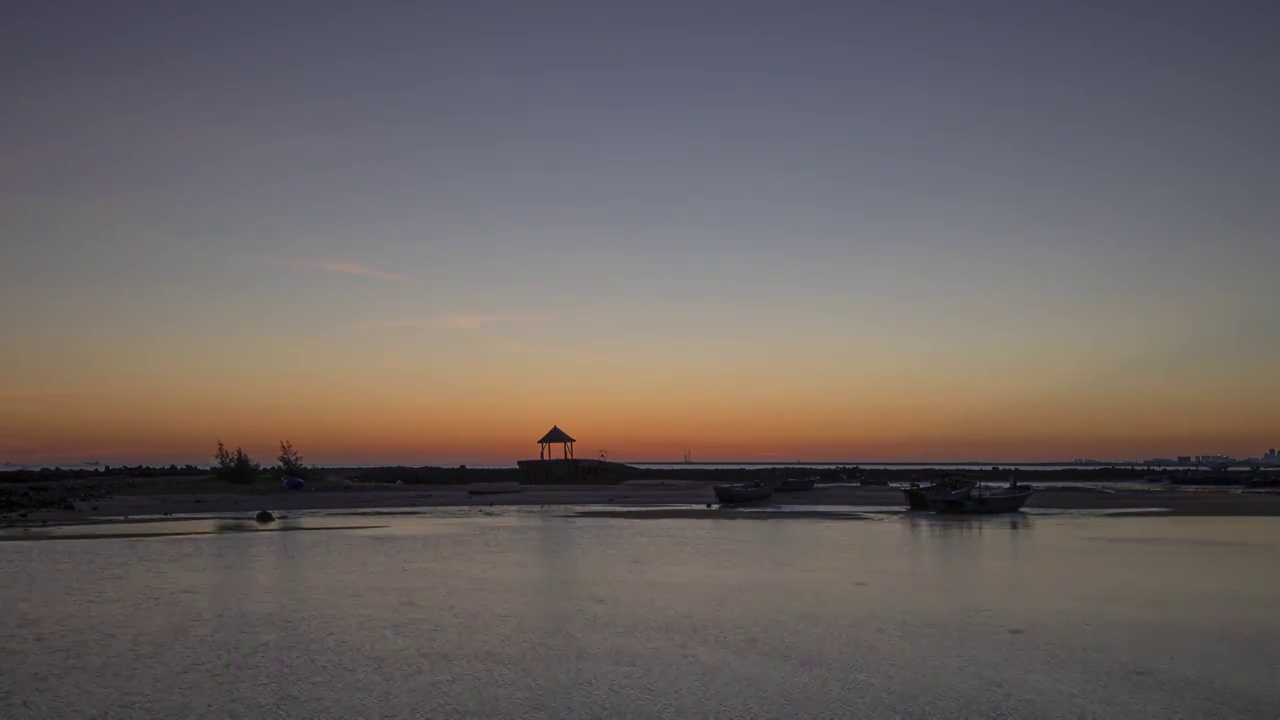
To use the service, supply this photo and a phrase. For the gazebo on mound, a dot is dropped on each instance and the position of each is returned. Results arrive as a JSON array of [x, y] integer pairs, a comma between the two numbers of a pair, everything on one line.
[[549, 470], [553, 436]]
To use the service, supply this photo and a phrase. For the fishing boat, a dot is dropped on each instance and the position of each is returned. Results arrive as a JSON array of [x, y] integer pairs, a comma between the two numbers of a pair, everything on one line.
[[982, 501], [919, 498], [796, 484], [742, 492]]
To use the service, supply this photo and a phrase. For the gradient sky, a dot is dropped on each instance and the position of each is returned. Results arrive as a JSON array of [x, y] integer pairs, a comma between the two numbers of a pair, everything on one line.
[[425, 231]]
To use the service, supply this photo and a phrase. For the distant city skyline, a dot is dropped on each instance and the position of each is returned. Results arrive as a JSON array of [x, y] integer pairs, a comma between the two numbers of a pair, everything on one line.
[[425, 233]]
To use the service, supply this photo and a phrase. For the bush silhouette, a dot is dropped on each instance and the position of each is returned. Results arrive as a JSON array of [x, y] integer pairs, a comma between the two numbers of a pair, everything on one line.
[[234, 467]]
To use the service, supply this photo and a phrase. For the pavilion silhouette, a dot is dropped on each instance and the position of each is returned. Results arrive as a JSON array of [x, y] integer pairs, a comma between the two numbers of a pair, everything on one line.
[[567, 468], [555, 435]]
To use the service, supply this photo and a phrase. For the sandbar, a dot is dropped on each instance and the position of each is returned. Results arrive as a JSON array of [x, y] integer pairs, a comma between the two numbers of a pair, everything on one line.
[[160, 498]]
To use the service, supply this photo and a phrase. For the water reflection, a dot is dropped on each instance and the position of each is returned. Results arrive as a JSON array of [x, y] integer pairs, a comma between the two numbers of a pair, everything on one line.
[[525, 615], [934, 524]]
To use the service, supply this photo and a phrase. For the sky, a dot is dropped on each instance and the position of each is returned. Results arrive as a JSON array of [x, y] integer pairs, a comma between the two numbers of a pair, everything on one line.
[[407, 232]]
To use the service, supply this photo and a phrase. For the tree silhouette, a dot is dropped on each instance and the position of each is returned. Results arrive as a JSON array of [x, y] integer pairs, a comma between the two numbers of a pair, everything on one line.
[[290, 461]]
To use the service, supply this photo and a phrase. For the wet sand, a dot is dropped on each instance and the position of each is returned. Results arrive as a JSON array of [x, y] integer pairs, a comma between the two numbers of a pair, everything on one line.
[[721, 513], [161, 500], [45, 533]]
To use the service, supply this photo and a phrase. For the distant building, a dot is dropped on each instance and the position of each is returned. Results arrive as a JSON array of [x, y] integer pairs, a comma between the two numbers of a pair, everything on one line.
[[1184, 459], [1214, 459]]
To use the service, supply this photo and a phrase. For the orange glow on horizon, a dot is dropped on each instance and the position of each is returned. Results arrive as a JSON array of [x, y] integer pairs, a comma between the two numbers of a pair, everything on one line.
[[467, 405], [452, 433]]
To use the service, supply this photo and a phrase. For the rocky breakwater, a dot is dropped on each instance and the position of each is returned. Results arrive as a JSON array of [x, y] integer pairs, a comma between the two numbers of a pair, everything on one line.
[[20, 498]]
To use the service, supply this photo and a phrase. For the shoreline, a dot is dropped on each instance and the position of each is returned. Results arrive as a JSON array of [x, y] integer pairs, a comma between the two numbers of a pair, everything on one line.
[[143, 502]]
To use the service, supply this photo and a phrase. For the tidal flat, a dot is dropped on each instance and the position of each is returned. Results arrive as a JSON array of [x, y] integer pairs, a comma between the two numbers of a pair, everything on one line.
[[527, 611]]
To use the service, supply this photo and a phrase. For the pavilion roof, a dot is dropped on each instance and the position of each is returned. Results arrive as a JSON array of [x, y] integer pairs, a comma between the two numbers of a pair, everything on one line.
[[556, 435]]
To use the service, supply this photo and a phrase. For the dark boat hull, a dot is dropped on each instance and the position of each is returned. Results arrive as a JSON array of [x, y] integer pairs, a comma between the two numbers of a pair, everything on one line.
[[916, 499], [924, 498], [732, 494], [796, 485], [984, 503]]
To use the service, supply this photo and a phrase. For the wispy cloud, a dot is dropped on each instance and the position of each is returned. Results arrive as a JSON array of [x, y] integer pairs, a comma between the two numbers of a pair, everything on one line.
[[345, 267], [453, 322]]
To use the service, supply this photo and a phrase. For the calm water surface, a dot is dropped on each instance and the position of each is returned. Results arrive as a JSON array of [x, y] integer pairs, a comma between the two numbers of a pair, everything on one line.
[[521, 614]]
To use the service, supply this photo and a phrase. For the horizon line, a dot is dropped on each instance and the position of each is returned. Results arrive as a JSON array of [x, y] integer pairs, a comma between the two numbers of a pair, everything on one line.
[[780, 463]]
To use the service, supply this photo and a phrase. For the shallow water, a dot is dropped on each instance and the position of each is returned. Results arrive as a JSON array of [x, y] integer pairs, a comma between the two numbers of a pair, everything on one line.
[[528, 614]]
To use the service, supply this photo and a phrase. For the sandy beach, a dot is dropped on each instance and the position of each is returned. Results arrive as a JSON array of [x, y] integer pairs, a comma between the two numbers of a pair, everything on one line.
[[158, 498]]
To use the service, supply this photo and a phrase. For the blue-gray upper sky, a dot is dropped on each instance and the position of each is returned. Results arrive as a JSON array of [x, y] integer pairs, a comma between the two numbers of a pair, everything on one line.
[[994, 176]]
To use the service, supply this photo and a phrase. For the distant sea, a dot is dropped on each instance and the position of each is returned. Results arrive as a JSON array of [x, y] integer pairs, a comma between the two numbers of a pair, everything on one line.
[[873, 466], [728, 465], [666, 465]]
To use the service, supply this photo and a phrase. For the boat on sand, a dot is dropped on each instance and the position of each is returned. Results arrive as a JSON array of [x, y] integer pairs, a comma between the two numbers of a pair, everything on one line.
[[742, 492], [796, 484], [921, 498], [982, 501]]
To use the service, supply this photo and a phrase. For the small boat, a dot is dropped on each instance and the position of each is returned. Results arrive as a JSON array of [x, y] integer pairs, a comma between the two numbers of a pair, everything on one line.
[[796, 484], [985, 502], [741, 493], [919, 498]]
